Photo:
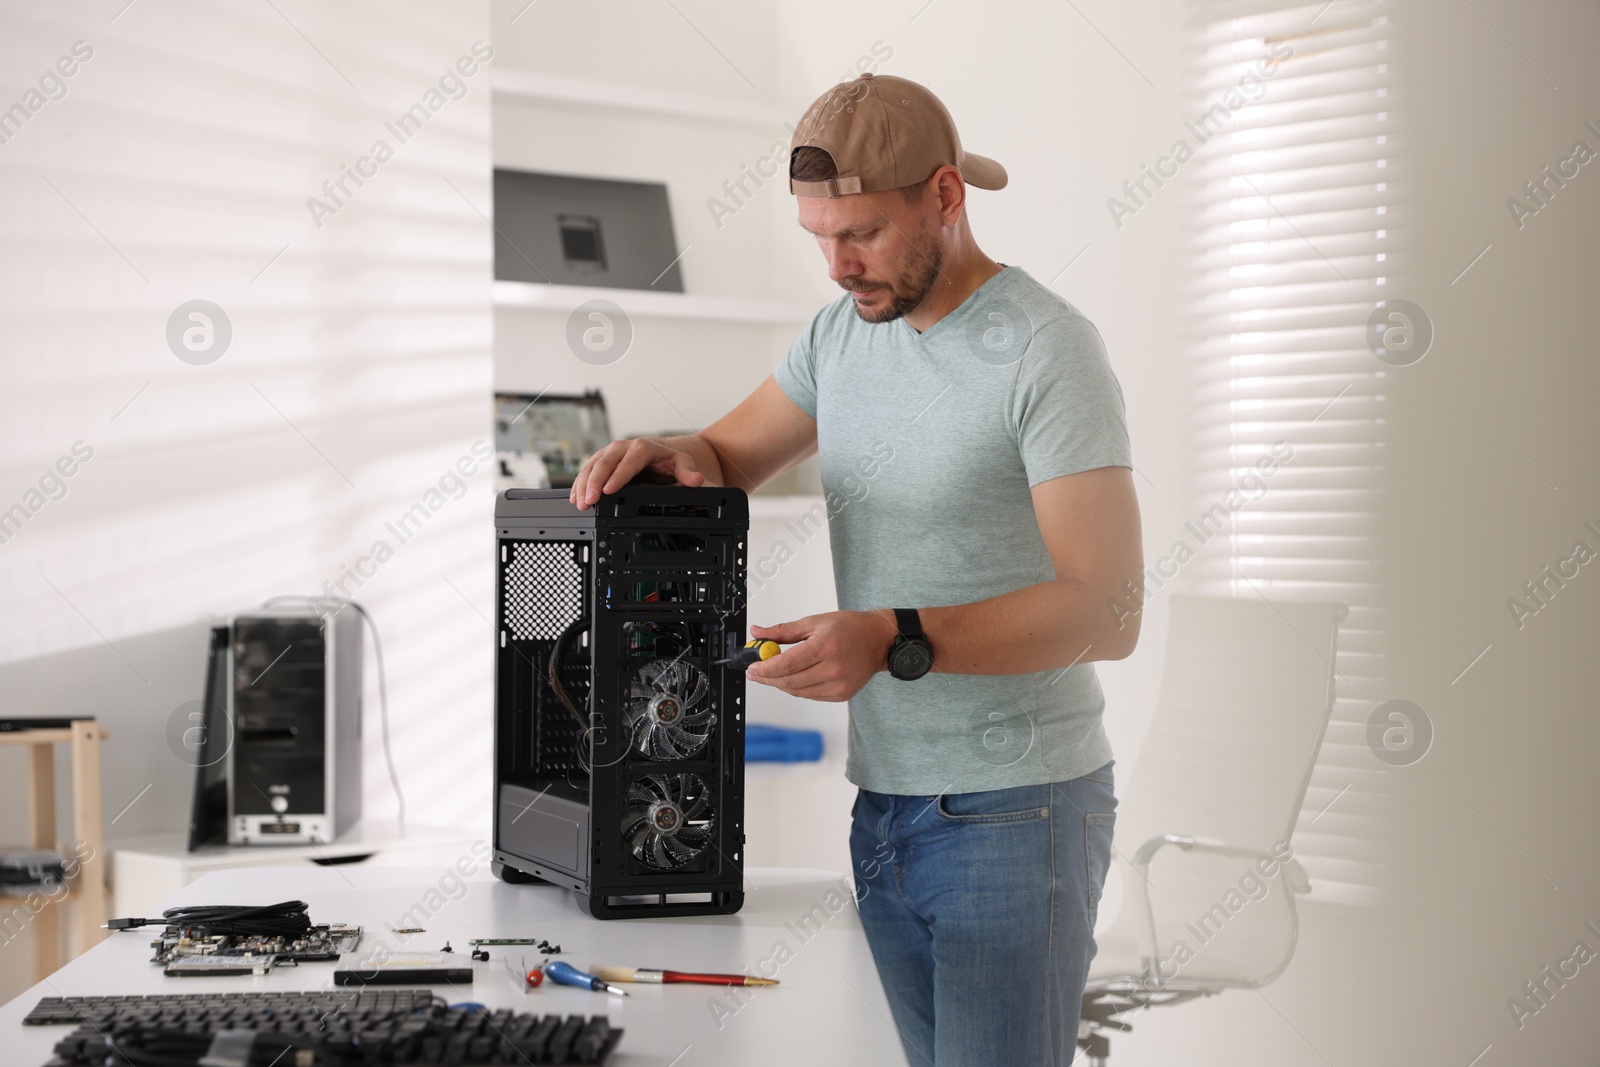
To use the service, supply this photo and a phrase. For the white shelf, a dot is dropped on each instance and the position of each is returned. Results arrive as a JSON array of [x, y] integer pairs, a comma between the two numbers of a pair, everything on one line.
[[644, 303], [620, 96]]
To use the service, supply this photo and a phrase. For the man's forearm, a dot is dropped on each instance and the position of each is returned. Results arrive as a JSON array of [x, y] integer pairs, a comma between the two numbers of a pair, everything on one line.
[[1040, 627]]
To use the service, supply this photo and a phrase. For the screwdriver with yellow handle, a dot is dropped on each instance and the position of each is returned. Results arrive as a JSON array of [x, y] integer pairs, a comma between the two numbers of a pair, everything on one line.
[[754, 651]]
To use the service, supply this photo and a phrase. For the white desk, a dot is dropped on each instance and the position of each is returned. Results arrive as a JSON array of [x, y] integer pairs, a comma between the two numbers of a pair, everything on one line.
[[148, 869], [830, 1008]]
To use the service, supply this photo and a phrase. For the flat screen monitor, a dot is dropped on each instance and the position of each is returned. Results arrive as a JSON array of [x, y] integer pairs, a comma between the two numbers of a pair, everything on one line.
[[568, 230]]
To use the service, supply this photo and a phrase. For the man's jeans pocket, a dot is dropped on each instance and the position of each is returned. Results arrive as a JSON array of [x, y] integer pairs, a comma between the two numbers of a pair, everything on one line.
[[1023, 803]]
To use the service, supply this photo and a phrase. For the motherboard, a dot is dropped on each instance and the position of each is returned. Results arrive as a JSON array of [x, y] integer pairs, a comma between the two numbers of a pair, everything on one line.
[[185, 953]]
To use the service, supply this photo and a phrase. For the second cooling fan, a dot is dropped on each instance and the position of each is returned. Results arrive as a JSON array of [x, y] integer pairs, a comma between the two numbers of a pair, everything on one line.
[[668, 820], [668, 710]]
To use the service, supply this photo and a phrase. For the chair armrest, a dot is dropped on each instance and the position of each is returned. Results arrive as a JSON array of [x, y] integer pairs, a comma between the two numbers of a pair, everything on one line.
[[1294, 877]]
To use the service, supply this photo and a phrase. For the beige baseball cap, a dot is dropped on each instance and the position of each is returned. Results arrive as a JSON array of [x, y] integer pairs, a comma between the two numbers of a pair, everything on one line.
[[883, 133]]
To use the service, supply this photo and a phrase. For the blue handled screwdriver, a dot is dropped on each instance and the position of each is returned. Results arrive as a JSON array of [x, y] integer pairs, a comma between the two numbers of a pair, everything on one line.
[[567, 974]]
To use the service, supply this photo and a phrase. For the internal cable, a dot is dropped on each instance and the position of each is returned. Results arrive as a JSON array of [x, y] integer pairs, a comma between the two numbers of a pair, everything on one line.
[[553, 670]]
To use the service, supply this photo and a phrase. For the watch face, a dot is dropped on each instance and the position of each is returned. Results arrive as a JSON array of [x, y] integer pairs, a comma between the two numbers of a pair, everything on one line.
[[911, 660]]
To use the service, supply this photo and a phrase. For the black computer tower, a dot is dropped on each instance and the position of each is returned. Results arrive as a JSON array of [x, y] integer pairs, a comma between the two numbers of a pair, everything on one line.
[[619, 744], [294, 705]]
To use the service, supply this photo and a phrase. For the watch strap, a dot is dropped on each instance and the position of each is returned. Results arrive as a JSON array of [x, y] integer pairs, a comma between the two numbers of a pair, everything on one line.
[[908, 622]]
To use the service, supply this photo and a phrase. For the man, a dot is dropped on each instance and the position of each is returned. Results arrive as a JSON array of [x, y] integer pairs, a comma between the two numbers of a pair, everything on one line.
[[985, 531]]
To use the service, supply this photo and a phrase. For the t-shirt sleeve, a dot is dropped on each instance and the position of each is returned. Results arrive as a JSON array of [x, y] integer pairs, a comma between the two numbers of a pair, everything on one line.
[[796, 373], [1068, 408]]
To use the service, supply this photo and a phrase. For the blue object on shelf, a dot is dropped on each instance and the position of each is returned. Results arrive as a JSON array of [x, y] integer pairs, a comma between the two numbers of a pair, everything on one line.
[[778, 744]]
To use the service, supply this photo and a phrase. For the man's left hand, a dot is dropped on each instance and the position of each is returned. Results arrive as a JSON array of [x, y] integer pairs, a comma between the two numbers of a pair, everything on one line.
[[830, 657]]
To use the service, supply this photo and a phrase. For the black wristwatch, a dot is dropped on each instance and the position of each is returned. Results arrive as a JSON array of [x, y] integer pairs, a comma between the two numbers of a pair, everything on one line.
[[911, 656]]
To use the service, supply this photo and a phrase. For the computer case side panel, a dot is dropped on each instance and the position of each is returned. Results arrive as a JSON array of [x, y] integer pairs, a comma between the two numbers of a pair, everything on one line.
[[344, 793], [544, 564]]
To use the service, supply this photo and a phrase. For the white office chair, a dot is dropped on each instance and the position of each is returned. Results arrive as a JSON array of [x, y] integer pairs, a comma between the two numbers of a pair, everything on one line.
[[1246, 693]]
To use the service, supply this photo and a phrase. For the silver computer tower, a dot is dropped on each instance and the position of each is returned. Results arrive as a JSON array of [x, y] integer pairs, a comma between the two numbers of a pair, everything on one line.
[[294, 705]]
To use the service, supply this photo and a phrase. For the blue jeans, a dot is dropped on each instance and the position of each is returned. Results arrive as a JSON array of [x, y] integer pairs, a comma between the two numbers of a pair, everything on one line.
[[979, 909]]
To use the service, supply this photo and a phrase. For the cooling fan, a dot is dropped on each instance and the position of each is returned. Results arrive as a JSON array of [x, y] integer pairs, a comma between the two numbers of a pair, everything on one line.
[[668, 711], [667, 820]]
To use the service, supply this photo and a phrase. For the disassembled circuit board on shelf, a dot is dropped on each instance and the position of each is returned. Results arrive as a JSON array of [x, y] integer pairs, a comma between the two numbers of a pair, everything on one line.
[[189, 956]]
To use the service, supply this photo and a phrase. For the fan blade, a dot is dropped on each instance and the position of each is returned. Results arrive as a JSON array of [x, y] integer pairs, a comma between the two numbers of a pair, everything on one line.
[[640, 734], [655, 675], [676, 678], [659, 854], [698, 689], [682, 742], [699, 803], [666, 743], [680, 852], [673, 675]]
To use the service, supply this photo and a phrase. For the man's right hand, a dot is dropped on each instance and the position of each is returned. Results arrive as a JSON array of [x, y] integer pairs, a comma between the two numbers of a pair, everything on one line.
[[618, 463]]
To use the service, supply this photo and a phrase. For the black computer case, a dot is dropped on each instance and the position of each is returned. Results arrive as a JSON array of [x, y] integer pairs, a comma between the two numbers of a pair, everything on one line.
[[619, 744]]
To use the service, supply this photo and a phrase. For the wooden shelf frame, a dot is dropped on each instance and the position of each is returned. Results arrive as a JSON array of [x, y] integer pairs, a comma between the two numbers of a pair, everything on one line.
[[86, 890]]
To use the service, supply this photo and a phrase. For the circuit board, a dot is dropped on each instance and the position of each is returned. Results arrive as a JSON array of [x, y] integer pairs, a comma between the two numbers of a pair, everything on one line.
[[183, 954]]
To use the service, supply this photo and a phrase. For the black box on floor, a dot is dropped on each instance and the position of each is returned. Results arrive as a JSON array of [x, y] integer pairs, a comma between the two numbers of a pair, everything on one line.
[[619, 744]]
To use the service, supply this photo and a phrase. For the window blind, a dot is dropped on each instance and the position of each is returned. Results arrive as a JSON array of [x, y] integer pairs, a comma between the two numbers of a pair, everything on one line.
[[1291, 243]]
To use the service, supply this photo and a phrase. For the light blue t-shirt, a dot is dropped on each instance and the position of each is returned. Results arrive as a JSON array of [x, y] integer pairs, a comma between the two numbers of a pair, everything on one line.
[[929, 444]]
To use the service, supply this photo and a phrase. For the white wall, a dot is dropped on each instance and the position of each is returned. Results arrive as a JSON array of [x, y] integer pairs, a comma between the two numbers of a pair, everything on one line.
[[177, 166], [1496, 877]]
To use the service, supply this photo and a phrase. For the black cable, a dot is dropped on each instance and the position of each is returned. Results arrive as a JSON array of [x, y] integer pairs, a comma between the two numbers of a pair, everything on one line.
[[160, 1047], [383, 704], [553, 672], [290, 919]]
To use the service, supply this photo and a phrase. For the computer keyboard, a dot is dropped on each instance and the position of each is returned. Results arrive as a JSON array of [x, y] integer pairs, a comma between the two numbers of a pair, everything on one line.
[[313, 1029]]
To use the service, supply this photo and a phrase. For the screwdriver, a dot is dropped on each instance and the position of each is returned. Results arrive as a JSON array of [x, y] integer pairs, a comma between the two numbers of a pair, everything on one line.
[[753, 652], [567, 974], [530, 978]]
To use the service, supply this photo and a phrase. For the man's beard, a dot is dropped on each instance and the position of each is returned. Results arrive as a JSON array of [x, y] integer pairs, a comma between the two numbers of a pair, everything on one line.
[[907, 291]]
